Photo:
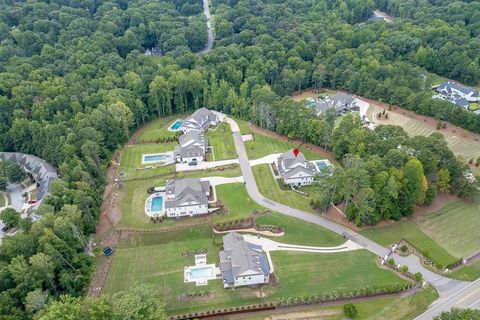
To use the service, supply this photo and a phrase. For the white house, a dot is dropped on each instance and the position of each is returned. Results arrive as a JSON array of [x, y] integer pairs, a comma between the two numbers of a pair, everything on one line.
[[200, 120], [458, 94], [192, 147], [243, 263], [341, 102], [186, 197], [295, 170]]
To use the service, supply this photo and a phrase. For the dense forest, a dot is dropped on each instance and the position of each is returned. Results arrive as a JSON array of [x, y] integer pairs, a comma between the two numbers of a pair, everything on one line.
[[75, 83]]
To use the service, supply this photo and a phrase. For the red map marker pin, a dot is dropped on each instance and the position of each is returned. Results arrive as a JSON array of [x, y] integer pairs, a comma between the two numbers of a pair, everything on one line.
[[296, 152]]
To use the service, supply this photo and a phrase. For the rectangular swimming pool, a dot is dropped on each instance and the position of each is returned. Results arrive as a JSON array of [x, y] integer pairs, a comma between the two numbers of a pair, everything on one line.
[[199, 273], [176, 125], [157, 204], [154, 158]]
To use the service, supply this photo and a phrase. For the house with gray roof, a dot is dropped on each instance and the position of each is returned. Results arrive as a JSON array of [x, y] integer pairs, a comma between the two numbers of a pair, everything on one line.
[[200, 120], [243, 263], [341, 102], [295, 170], [460, 95], [186, 197], [192, 146], [41, 171]]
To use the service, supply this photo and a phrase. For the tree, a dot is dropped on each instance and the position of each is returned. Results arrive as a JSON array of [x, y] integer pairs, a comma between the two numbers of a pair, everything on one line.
[[443, 180], [350, 310], [414, 185], [458, 314], [140, 302], [3, 183], [10, 217], [65, 308]]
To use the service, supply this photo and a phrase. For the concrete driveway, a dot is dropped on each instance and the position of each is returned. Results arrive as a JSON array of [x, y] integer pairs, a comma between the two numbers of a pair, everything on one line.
[[16, 197], [267, 159]]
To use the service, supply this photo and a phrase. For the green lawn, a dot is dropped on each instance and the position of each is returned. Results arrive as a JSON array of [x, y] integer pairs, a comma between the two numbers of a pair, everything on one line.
[[243, 125], [158, 129], [455, 228], [156, 258], [132, 159], [470, 272], [391, 308], [221, 140], [269, 187], [262, 146], [2, 200], [234, 196], [132, 199], [301, 232], [409, 231], [302, 274]]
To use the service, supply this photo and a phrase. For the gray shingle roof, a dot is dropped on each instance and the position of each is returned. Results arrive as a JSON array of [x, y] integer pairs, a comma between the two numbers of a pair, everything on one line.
[[199, 120], [41, 171], [239, 257], [186, 190], [448, 86], [289, 165]]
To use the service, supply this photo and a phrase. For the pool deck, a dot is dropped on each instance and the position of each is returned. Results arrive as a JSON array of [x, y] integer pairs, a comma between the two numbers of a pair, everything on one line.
[[169, 158], [201, 263], [148, 205]]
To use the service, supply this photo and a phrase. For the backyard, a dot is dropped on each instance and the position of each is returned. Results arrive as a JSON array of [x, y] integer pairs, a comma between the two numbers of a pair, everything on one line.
[[158, 129]]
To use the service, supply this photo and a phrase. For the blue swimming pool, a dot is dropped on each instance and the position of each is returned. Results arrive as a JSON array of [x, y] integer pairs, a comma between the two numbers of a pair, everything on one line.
[[321, 164], [176, 125], [154, 158], [199, 273], [157, 204]]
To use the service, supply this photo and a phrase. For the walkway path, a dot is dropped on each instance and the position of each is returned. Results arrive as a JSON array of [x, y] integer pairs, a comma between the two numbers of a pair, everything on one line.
[[445, 286], [267, 159], [206, 11], [215, 181], [180, 167]]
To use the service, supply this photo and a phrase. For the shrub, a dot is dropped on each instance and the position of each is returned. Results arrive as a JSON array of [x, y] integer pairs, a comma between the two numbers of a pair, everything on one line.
[[404, 248], [350, 310], [391, 261], [418, 276], [439, 125], [404, 268]]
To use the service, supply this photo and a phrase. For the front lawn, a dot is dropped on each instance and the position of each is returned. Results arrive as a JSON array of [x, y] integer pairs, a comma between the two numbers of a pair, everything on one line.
[[235, 198], [455, 227], [306, 274], [221, 140], [467, 273], [263, 145], [269, 187], [409, 231]]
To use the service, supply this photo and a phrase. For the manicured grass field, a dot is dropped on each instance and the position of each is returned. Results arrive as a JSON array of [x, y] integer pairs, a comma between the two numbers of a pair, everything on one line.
[[263, 146], [132, 199], [455, 227], [221, 140], [234, 196], [409, 231], [303, 274], [132, 159], [270, 188], [156, 258], [243, 125], [2, 200], [158, 129], [470, 272], [301, 232], [391, 308]]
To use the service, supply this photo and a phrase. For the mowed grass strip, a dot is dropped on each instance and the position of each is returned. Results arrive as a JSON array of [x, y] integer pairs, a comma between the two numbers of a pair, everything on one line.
[[221, 140], [300, 232], [269, 187], [263, 145], [158, 129], [469, 272], [409, 231], [305, 274], [390, 308], [455, 227]]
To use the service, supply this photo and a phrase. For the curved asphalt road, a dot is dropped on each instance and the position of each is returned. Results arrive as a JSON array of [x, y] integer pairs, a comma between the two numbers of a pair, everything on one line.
[[16, 197], [446, 287]]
